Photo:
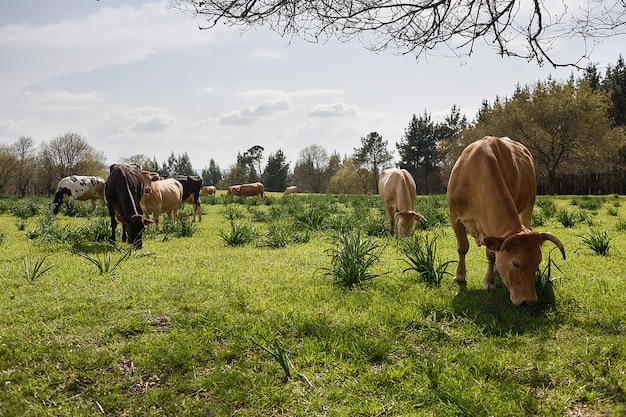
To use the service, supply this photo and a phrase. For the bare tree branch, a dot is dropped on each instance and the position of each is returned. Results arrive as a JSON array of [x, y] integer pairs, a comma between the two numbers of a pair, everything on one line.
[[513, 28]]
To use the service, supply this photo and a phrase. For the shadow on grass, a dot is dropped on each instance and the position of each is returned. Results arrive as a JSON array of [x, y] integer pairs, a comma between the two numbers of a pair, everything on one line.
[[495, 312]]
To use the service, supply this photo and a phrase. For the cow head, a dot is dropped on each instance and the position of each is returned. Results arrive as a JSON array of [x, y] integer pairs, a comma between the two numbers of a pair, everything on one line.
[[404, 221], [148, 177], [134, 228], [517, 260]]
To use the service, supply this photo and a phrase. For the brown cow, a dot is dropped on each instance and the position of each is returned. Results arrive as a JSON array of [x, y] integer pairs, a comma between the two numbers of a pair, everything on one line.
[[491, 194], [160, 196], [208, 190], [290, 190], [397, 191], [246, 190]]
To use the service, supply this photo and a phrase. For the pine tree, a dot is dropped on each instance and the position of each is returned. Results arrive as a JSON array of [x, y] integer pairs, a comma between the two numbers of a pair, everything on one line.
[[276, 172]]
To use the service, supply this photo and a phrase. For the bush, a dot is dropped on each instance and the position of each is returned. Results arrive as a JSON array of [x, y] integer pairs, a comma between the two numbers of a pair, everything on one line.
[[238, 235], [352, 259], [421, 253], [598, 241]]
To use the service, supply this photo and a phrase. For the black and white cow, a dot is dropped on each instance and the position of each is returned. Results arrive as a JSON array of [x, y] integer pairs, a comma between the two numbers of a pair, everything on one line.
[[124, 189], [78, 187]]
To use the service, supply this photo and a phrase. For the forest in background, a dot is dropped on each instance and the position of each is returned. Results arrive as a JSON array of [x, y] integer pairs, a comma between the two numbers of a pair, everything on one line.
[[575, 130]]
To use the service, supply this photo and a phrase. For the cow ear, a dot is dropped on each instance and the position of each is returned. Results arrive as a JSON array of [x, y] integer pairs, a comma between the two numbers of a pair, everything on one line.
[[418, 217], [146, 222], [121, 219], [493, 243]]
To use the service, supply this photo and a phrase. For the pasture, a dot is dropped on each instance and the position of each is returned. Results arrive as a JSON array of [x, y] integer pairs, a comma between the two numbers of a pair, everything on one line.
[[243, 315]]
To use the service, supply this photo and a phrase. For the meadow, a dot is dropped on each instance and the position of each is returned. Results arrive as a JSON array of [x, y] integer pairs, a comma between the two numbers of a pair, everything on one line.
[[305, 306]]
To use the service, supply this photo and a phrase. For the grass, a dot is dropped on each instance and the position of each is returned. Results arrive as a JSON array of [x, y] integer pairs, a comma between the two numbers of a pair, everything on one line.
[[191, 326]]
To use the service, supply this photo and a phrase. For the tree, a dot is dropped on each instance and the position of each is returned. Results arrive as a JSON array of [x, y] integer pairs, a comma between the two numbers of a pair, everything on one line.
[[177, 165], [8, 162], [212, 175], [311, 170], [511, 28], [143, 161], [418, 149], [346, 180], [373, 152], [70, 154], [614, 84], [25, 155], [564, 125], [253, 157], [276, 172]]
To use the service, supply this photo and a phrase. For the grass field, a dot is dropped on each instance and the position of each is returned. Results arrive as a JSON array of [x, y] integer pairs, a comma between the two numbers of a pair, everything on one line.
[[194, 326]]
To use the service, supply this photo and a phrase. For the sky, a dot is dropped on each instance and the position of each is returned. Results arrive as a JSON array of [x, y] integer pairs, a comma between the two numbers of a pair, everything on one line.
[[139, 77]]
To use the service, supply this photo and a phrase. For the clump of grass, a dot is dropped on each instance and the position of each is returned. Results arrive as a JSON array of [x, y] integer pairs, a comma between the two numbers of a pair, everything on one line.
[[25, 210], [238, 234], [547, 206], [35, 269], [566, 218], [433, 208], [184, 227], [613, 211], [312, 216], [588, 202], [598, 241], [352, 259], [279, 353], [620, 226], [544, 282], [421, 255], [106, 264]]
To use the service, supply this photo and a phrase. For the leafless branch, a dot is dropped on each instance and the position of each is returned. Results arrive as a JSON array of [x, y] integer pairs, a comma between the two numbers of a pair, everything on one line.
[[513, 28]]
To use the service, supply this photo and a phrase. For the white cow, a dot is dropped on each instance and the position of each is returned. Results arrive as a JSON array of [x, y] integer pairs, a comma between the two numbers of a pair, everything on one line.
[[78, 187]]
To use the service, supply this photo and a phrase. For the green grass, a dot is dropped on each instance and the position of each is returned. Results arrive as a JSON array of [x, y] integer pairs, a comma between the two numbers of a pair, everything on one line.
[[190, 326]]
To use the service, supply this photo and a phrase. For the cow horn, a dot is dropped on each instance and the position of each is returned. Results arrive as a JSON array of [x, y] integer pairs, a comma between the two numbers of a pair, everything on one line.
[[555, 240]]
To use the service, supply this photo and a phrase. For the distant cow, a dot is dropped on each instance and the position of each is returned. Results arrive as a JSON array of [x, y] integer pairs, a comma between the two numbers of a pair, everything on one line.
[[192, 184], [246, 190], [397, 191], [160, 196], [124, 189], [290, 190], [208, 190], [491, 194], [78, 187]]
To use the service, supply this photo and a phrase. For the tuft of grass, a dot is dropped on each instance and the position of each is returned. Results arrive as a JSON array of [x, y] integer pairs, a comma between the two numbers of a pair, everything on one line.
[[566, 218], [352, 258], [279, 353], [35, 269], [421, 255], [106, 264], [598, 241], [238, 235], [544, 282]]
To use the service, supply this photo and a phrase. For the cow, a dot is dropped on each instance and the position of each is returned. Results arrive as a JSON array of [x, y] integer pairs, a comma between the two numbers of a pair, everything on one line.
[[246, 190], [192, 184], [160, 196], [124, 189], [208, 190], [397, 191], [78, 187], [290, 190], [491, 194]]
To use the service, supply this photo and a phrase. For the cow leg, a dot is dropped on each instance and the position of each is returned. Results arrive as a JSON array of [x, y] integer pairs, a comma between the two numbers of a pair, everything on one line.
[[198, 208], [488, 283], [93, 204], [113, 225], [389, 215], [156, 220], [462, 247]]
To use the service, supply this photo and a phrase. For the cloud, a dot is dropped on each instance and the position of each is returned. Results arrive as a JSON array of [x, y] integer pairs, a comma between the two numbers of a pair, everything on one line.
[[251, 114], [333, 110]]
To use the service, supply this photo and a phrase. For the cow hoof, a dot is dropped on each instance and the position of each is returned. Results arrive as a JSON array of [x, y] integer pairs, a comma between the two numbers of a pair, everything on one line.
[[460, 280], [489, 286]]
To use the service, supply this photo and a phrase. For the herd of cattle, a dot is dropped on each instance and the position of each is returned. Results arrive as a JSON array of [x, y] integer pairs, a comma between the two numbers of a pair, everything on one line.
[[491, 194]]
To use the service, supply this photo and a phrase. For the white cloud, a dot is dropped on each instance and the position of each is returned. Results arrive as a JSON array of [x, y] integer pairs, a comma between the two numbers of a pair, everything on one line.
[[251, 114], [333, 110]]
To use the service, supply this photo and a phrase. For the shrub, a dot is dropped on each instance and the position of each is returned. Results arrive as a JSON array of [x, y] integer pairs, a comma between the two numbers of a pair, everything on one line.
[[421, 255], [598, 241], [238, 235], [566, 218], [352, 259]]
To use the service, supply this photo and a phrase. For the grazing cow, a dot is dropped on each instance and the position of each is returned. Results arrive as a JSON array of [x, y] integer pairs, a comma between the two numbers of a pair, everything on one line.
[[491, 194], [397, 191], [246, 190], [192, 184], [124, 189], [78, 187], [160, 196], [290, 190], [208, 190]]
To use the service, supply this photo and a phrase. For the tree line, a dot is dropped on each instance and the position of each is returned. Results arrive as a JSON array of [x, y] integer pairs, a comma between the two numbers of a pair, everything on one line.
[[575, 130]]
